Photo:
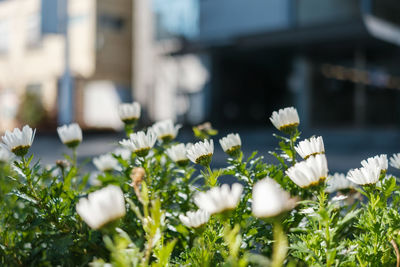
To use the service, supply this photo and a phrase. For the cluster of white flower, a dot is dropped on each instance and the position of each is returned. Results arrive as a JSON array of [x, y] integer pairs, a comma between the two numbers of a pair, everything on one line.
[[285, 120], [17, 141], [201, 152], [102, 206], [370, 172], [5, 155], [395, 161], [166, 130], [309, 172], [231, 144], [195, 219], [310, 147], [337, 182], [178, 153], [219, 199], [314, 168], [270, 200], [129, 113], [140, 142], [70, 135], [106, 163]]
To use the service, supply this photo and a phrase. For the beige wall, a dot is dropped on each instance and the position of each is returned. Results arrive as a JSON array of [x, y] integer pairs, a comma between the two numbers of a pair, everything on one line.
[[22, 64], [96, 52], [82, 37], [114, 45]]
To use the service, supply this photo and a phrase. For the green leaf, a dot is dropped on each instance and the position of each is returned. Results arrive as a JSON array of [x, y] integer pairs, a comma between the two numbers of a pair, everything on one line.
[[23, 196]]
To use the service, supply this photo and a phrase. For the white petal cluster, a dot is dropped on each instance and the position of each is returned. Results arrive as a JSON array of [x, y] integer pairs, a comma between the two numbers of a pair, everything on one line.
[[338, 182], [309, 172], [124, 153], [230, 142], [368, 174], [129, 112], [308, 211], [219, 199], [380, 161], [201, 150], [269, 199], [287, 117], [166, 130], [5, 155], [178, 152], [70, 134], [18, 140], [310, 147], [395, 161], [106, 163], [102, 206], [195, 219], [140, 141]]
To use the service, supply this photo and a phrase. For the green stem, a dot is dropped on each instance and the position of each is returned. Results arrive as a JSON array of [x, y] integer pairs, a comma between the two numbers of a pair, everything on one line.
[[74, 157], [129, 129], [292, 149], [322, 199], [280, 246], [210, 180]]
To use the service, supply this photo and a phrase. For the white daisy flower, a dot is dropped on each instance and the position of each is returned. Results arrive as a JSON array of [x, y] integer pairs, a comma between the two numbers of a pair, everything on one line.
[[93, 179], [165, 130], [381, 161], [337, 182], [178, 153], [102, 206], [70, 135], [367, 175], [231, 144], [124, 153], [106, 163], [129, 112], [219, 199], [140, 142], [310, 172], [201, 152], [19, 141], [5, 155], [395, 161], [310, 147], [308, 211], [270, 200], [285, 119], [195, 219], [339, 198]]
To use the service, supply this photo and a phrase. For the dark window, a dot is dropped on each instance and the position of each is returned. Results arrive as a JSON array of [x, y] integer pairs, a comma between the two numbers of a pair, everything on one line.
[[111, 22]]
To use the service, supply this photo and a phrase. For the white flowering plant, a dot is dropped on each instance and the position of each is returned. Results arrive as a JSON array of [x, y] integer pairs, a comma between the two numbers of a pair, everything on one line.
[[157, 202]]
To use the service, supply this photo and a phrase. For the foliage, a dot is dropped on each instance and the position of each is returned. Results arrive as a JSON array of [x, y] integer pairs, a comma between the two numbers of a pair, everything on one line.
[[31, 110], [39, 224]]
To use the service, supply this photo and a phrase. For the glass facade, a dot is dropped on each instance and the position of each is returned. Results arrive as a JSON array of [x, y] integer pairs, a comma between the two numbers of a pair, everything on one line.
[[176, 18]]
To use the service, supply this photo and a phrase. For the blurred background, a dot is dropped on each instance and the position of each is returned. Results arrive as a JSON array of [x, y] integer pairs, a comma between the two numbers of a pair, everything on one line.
[[230, 62]]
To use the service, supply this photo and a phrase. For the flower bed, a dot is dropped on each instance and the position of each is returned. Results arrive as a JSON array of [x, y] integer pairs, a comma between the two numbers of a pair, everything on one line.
[[149, 204]]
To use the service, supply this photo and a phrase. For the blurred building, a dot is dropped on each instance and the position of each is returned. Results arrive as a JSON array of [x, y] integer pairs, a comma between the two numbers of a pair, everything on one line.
[[168, 84], [72, 57], [229, 61], [337, 61]]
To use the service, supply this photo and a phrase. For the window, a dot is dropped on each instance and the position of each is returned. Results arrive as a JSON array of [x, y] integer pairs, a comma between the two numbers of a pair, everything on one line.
[[111, 22], [33, 30], [4, 35]]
